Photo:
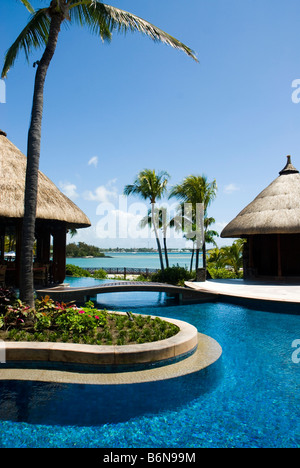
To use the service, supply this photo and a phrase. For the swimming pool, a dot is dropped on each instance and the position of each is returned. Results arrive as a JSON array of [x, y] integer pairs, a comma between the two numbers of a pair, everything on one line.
[[249, 398]]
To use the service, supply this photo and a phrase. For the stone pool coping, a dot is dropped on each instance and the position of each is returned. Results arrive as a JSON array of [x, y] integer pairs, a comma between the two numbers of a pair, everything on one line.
[[197, 351], [207, 353], [184, 342]]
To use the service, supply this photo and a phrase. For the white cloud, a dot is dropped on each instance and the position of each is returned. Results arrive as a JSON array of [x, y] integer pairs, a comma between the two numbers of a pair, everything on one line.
[[230, 188], [111, 182], [69, 189], [101, 194], [93, 161]]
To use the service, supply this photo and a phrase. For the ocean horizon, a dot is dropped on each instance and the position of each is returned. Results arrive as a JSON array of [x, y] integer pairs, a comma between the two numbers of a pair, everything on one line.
[[141, 260]]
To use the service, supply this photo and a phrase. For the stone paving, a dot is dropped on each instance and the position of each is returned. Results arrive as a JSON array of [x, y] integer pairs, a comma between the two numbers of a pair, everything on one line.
[[267, 291]]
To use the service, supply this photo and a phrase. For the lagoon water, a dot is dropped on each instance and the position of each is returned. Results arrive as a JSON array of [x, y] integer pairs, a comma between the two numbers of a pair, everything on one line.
[[132, 260]]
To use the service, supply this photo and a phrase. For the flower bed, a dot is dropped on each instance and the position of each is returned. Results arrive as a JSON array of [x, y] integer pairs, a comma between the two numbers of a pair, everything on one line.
[[58, 322]]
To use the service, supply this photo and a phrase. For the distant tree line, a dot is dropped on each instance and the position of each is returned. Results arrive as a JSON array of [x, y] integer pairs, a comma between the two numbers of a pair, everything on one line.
[[81, 249]]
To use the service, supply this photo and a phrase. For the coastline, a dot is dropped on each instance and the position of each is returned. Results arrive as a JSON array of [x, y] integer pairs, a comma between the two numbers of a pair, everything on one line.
[[138, 260]]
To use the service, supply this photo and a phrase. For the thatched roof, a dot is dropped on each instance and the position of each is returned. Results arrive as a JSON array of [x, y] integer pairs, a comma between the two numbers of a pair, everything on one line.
[[52, 203], [276, 210]]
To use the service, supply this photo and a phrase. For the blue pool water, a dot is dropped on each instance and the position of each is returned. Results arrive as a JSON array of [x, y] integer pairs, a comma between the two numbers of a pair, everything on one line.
[[249, 398]]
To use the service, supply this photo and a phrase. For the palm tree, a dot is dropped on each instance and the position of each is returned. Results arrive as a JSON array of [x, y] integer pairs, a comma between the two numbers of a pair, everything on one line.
[[233, 255], [152, 186], [163, 224], [216, 258], [196, 190], [43, 30], [209, 235]]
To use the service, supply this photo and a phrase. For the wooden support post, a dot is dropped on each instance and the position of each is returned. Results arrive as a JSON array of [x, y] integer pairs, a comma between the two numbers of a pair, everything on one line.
[[251, 260], [43, 245], [2, 243], [59, 254], [279, 255]]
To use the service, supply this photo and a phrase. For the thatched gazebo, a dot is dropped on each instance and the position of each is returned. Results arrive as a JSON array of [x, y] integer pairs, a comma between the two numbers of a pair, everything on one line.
[[271, 225], [56, 214]]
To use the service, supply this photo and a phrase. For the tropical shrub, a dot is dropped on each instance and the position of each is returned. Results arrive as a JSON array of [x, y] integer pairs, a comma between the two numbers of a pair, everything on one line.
[[173, 275], [226, 262], [7, 296], [74, 270], [100, 274], [223, 273]]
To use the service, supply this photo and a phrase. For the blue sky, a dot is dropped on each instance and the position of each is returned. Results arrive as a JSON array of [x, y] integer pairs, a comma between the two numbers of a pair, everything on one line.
[[114, 109]]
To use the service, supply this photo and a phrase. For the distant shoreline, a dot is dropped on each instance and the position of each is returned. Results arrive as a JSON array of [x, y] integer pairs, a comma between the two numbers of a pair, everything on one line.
[[92, 256]]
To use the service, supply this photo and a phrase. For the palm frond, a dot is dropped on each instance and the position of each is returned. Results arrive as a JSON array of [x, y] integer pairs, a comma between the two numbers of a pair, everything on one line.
[[123, 21], [89, 14], [148, 184], [195, 189], [27, 5], [33, 36]]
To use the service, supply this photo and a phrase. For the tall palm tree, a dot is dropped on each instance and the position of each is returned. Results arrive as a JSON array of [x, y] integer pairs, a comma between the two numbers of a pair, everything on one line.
[[233, 255], [152, 186], [209, 235], [216, 258], [43, 30], [163, 224], [196, 190]]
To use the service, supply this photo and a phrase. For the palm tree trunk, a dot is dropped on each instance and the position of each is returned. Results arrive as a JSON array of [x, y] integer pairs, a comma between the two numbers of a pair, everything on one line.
[[192, 259], [165, 246], [204, 255], [166, 251], [197, 257], [33, 157], [157, 237]]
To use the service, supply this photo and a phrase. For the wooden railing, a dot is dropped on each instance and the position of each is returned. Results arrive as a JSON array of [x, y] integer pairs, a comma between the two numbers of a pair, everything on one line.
[[123, 271]]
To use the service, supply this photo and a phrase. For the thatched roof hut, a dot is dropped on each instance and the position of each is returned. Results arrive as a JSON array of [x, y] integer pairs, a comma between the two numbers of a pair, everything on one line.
[[276, 210], [271, 223], [52, 203], [56, 213]]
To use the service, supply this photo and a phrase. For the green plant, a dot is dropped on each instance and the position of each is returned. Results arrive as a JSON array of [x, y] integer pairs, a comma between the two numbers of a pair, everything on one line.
[[17, 314], [80, 321], [223, 273], [100, 274], [7, 296], [74, 270], [46, 304], [172, 275], [53, 321], [43, 321], [142, 278]]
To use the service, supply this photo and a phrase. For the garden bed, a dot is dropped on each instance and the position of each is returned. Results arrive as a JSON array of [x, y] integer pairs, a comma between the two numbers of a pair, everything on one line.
[[65, 333], [59, 322]]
